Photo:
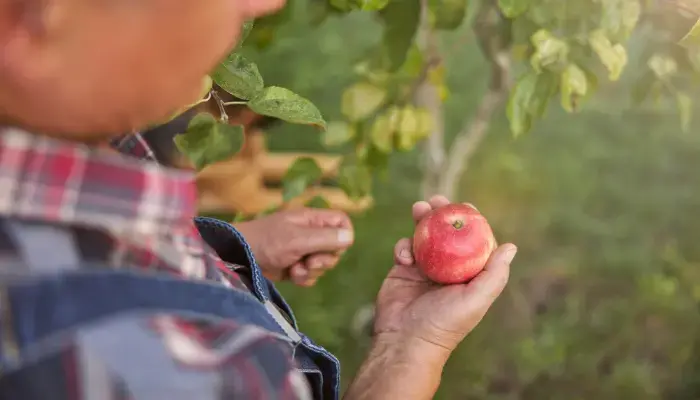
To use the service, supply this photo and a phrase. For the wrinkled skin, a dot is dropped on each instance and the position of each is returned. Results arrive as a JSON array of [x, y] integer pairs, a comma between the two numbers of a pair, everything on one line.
[[300, 245], [409, 305]]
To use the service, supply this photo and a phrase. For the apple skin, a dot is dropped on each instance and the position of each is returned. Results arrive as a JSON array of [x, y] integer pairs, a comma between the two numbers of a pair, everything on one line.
[[453, 243]]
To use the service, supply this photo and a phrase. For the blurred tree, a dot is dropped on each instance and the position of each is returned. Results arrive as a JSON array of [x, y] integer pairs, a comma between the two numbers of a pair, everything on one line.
[[536, 49]]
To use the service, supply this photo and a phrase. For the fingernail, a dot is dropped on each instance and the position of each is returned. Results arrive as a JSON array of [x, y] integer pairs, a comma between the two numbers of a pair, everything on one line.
[[404, 253], [300, 273], [345, 236], [510, 254]]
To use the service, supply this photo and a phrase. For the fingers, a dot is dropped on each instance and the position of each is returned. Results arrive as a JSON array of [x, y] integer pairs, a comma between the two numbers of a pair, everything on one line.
[[299, 274], [308, 272], [483, 290], [438, 201], [321, 240], [403, 253], [320, 231], [422, 208], [319, 217], [320, 262]]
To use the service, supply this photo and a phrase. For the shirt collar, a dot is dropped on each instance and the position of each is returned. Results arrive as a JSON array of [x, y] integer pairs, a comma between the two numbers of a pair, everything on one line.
[[134, 145], [48, 179]]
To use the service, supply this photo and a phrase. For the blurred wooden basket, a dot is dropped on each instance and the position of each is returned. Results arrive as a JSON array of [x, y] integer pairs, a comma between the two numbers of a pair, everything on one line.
[[249, 182]]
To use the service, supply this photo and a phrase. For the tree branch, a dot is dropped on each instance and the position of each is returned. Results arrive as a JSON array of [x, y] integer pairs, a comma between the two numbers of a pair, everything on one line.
[[468, 139], [426, 96]]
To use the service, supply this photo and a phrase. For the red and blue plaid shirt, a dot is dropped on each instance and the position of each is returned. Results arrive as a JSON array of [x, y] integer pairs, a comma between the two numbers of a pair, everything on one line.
[[64, 204]]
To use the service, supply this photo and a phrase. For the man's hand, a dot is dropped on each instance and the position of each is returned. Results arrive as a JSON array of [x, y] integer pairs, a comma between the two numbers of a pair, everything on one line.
[[419, 323], [300, 244]]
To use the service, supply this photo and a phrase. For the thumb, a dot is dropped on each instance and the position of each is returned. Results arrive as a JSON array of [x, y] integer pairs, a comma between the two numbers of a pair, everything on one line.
[[483, 290], [309, 240]]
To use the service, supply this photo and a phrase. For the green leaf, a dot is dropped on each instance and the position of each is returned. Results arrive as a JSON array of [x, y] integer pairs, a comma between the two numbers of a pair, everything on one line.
[[529, 100], [447, 14], [269, 210], [360, 100], [664, 67], [574, 86], [300, 175], [411, 125], [517, 108], [240, 217], [338, 133], [355, 178], [342, 5], [513, 8], [245, 32], [620, 17], [208, 141], [371, 5], [376, 160], [239, 77], [317, 202], [685, 109], [207, 84], [549, 50], [286, 105], [401, 20], [382, 134], [613, 57], [265, 30], [318, 11], [414, 65]]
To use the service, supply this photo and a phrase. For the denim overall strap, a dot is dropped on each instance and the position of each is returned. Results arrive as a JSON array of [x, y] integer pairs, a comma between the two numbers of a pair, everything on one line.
[[48, 308], [320, 366]]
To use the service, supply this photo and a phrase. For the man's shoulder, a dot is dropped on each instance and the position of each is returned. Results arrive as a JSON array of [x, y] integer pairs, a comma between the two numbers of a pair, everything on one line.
[[119, 319]]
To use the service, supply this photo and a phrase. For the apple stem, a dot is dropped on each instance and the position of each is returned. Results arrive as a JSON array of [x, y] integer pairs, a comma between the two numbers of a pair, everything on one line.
[[458, 224]]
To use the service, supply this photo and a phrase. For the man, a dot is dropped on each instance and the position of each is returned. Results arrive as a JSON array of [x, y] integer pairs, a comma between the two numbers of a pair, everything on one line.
[[109, 291]]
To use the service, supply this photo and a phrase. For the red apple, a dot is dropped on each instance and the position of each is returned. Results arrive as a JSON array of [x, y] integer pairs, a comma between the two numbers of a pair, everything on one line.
[[452, 244]]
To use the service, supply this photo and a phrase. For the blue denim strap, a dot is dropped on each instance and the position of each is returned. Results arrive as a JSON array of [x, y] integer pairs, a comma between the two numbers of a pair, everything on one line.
[[232, 247], [49, 304]]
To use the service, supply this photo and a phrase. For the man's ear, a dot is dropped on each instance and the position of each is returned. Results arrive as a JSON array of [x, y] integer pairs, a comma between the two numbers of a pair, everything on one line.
[[39, 17], [30, 28], [35, 19]]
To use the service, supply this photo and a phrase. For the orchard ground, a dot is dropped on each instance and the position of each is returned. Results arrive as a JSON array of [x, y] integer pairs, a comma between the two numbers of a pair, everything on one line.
[[605, 208]]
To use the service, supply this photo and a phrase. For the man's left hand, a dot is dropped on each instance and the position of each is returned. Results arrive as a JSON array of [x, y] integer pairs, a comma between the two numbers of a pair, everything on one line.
[[300, 245]]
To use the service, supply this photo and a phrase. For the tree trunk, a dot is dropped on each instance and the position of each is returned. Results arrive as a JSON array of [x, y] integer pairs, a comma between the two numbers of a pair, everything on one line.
[[427, 96], [470, 137], [443, 170]]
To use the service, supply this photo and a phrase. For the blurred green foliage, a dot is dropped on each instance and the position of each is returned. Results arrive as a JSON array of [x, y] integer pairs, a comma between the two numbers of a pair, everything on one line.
[[604, 205]]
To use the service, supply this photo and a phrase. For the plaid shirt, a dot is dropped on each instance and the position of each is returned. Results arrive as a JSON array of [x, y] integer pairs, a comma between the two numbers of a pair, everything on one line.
[[64, 206]]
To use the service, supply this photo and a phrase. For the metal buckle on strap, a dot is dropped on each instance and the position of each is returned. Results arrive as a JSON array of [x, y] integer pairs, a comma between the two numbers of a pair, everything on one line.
[[282, 321]]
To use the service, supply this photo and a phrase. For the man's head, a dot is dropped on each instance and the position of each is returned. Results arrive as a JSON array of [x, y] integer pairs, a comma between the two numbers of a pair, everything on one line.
[[87, 69]]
